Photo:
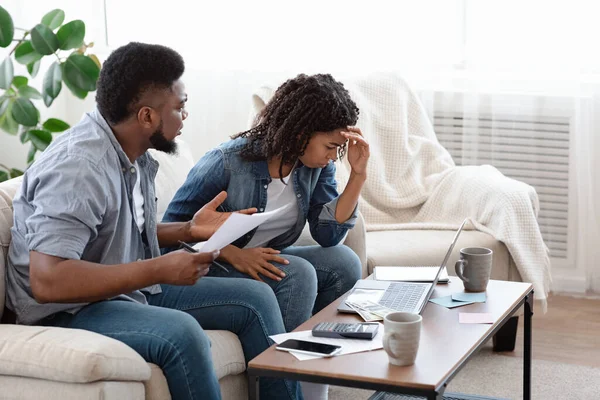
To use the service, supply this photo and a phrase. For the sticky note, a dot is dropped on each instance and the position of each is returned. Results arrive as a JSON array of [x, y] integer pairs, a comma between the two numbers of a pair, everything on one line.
[[473, 297], [475, 318], [447, 301]]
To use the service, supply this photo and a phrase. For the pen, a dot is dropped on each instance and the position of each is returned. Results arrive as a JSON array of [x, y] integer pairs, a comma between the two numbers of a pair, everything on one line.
[[193, 250]]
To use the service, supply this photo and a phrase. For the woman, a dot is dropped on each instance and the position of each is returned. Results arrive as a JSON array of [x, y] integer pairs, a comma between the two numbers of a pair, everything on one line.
[[287, 159]]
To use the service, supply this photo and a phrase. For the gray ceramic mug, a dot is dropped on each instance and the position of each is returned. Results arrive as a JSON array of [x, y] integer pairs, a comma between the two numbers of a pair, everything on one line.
[[474, 268]]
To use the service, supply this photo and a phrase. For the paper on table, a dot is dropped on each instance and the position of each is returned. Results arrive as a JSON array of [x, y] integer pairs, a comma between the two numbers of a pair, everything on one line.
[[410, 274], [475, 297], [236, 226], [475, 318], [349, 346], [361, 295]]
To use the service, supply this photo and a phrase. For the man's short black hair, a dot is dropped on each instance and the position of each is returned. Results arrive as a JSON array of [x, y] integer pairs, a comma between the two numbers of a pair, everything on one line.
[[131, 70]]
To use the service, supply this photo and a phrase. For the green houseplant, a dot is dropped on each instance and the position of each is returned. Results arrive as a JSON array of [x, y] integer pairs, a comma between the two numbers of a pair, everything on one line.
[[73, 65]]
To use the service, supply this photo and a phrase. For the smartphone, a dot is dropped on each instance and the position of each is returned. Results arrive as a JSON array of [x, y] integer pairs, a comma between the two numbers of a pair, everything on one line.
[[311, 348]]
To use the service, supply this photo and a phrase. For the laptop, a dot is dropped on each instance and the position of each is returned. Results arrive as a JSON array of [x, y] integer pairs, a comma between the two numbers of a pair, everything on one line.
[[400, 296]]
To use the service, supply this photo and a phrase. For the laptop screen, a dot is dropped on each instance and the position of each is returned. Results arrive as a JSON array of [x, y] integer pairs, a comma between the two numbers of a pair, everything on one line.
[[437, 276]]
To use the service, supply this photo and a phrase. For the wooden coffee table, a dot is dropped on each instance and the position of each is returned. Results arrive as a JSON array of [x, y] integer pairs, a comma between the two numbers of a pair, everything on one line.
[[444, 349]]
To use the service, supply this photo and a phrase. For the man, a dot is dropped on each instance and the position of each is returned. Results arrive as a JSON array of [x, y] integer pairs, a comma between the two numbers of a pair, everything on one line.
[[85, 250]]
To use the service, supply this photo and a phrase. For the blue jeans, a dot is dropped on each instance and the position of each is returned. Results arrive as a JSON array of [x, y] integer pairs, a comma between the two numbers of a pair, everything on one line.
[[169, 332], [315, 277]]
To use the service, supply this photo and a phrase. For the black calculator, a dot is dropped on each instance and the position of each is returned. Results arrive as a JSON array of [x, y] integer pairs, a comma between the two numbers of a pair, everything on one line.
[[345, 331]]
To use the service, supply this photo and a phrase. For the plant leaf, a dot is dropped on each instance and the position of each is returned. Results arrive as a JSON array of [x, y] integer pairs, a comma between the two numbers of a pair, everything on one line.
[[7, 29], [33, 68], [15, 172], [4, 176], [25, 54], [7, 123], [4, 102], [55, 125], [31, 154], [81, 72], [19, 81], [6, 73], [54, 18], [70, 35], [29, 92], [95, 59], [52, 81], [24, 136], [40, 138], [44, 41], [24, 112], [47, 99]]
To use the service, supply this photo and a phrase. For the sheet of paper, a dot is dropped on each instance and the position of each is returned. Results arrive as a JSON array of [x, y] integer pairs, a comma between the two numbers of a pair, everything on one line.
[[236, 226], [447, 301], [349, 346], [361, 295], [474, 297], [475, 318], [409, 274]]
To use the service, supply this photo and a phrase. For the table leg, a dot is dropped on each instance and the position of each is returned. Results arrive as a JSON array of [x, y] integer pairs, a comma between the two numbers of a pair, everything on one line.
[[253, 381], [527, 347]]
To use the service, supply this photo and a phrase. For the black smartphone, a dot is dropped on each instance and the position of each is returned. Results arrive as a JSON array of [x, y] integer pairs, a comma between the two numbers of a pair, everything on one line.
[[312, 348]]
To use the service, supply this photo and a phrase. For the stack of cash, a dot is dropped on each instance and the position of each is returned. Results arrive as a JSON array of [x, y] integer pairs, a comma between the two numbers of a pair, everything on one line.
[[369, 310]]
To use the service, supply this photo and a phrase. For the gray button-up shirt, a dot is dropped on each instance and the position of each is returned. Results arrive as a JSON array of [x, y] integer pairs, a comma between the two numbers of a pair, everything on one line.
[[76, 202]]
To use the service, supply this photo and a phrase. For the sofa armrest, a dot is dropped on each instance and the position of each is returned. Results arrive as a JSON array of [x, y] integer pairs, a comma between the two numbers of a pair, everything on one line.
[[357, 241], [67, 355]]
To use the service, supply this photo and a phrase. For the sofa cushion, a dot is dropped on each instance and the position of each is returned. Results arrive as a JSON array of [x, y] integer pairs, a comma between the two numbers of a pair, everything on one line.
[[428, 247], [18, 387], [227, 353], [156, 387], [67, 355]]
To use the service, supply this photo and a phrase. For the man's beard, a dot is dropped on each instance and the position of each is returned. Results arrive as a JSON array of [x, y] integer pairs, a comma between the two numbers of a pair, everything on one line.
[[160, 142]]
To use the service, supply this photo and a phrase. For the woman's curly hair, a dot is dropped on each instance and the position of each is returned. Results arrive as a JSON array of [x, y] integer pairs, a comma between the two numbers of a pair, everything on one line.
[[299, 108]]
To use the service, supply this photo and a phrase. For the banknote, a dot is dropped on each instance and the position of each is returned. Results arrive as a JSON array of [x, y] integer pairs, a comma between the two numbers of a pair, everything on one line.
[[367, 316], [372, 307]]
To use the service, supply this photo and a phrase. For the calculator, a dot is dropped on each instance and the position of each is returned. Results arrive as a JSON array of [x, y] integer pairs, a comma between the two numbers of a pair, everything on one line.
[[345, 331]]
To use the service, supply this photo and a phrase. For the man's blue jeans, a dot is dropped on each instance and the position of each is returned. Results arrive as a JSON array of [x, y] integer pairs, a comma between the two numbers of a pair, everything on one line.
[[315, 277], [169, 332]]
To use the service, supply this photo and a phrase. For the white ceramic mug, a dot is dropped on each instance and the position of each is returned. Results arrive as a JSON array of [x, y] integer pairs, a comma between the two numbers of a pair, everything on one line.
[[402, 332]]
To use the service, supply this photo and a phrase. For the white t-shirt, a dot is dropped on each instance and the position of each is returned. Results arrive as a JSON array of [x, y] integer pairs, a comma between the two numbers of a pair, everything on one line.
[[278, 195], [138, 200]]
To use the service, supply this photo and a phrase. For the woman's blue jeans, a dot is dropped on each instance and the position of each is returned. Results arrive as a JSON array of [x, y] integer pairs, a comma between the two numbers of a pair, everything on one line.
[[315, 277], [170, 331]]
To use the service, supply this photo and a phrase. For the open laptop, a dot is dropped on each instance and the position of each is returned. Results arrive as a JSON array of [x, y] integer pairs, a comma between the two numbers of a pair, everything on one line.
[[399, 296]]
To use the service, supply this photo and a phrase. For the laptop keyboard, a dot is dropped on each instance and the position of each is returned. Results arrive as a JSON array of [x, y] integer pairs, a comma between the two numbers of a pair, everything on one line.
[[401, 296]]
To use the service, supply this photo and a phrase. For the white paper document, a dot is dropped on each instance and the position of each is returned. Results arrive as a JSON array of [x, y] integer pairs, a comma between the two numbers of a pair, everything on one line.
[[409, 274], [236, 226], [349, 346]]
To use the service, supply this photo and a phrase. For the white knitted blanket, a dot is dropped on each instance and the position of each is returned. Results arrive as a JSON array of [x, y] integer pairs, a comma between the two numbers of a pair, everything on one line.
[[413, 182]]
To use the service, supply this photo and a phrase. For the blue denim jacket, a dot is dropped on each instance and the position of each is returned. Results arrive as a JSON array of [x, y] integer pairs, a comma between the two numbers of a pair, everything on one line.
[[246, 184]]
